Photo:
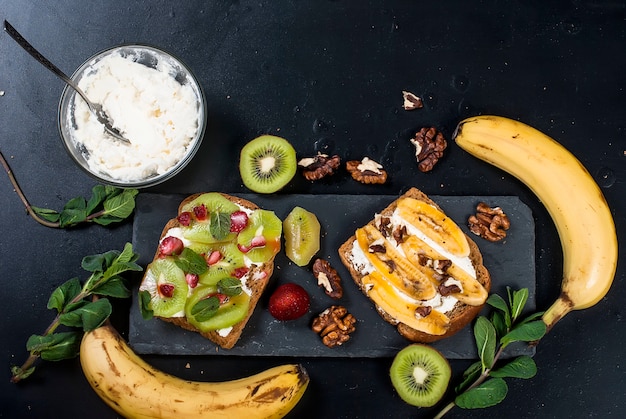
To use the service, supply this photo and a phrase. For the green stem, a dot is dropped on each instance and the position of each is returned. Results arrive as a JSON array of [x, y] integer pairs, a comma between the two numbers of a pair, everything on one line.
[[19, 192]]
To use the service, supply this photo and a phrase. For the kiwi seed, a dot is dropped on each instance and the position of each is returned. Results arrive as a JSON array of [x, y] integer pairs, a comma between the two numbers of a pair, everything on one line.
[[267, 164], [420, 374]]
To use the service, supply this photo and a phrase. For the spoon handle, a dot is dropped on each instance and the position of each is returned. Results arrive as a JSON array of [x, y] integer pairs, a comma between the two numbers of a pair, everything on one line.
[[32, 51]]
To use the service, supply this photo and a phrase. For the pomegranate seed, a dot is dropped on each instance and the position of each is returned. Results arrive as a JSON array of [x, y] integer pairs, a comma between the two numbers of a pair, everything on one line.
[[258, 241], [214, 257], [170, 246], [200, 212], [240, 272], [238, 221], [185, 218], [166, 290], [192, 280]]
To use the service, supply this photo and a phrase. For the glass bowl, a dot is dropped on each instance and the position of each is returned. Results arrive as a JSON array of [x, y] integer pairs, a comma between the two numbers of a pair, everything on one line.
[[149, 94]]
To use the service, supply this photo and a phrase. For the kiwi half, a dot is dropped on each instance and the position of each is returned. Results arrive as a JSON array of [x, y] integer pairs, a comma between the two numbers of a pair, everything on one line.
[[420, 374], [267, 164], [302, 236]]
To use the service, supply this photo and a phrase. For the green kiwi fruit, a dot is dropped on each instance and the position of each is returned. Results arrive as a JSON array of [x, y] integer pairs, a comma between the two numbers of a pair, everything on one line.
[[267, 164], [167, 287], [200, 231], [302, 236], [231, 259], [261, 223], [228, 314], [420, 374]]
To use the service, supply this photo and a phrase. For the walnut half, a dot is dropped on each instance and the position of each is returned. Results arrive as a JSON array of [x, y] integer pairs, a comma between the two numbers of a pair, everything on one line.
[[429, 146], [328, 278], [489, 223], [334, 326], [366, 171], [319, 166]]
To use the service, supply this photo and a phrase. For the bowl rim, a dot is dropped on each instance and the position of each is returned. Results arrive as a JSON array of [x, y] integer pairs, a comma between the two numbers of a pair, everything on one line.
[[68, 92]]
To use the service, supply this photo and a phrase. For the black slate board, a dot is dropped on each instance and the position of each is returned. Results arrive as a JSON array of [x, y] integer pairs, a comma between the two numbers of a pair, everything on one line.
[[510, 262]]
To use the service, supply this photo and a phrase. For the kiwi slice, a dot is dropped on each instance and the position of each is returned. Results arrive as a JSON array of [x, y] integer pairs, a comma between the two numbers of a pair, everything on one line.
[[420, 374], [167, 287], [302, 236], [204, 231], [229, 313], [261, 223], [267, 164], [230, 259]]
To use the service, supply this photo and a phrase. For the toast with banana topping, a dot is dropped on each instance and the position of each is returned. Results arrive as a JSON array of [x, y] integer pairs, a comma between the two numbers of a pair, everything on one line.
[[423, 274]]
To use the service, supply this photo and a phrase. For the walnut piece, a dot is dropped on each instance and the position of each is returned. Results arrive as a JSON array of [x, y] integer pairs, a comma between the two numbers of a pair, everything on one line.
[[328, 278], [366, 171], [489, 223], [315, 168], [410, 101], [429, 146], [334, 326]]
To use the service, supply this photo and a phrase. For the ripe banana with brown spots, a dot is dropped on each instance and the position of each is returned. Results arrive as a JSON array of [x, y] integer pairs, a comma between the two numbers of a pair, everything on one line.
[[570, 194], [135, 389]]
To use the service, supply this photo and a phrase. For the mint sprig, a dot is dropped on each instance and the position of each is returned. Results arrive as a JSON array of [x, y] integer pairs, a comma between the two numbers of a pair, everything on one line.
[[106, 205], [483, 383], [76, 310]]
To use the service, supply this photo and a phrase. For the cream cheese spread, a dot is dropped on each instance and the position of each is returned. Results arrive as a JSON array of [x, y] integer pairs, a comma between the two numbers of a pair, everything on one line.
[[158, 115]]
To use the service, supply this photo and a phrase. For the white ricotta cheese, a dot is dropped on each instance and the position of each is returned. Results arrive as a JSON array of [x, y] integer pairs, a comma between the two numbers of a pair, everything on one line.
[[158, 115]]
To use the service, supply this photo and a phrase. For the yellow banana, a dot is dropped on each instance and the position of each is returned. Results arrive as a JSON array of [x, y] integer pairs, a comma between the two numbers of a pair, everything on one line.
[[135, 389], [569, 193]]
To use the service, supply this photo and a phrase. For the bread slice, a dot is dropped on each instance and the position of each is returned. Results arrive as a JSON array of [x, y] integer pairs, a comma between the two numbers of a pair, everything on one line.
[[459, 315], [256, 280]]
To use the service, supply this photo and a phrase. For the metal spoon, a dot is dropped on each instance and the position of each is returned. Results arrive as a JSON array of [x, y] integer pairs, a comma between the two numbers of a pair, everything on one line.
[[95, 108]]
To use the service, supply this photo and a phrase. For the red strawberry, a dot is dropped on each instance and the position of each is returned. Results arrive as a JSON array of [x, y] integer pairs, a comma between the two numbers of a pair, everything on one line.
[[238, 221], [288, 302], [170, 246], [240, 272], [214, 257], [258, 241]]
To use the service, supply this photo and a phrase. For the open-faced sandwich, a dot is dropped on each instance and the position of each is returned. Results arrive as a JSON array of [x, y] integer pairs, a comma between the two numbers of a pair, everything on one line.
[[212, 264], [421, 271]]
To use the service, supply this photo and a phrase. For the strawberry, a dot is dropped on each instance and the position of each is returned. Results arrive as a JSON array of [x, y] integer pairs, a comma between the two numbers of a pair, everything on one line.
[[258, 241], [192, 280], [238, 221], [289, 302], [170, 246], [214, 257]]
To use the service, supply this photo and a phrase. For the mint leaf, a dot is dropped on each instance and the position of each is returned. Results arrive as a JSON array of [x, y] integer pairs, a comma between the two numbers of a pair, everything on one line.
[[114, 287], [517, 300], [488, 394], [98, 195], [203, 310], [521, 367], [495, 301], [526, 332], [470, 375], [220, 225], [55, 346], [191, 262], [144, 305], [120, 206], [63, 294], [229, 286], [74, 212], [89, 316], [485, 336], [47, 214]]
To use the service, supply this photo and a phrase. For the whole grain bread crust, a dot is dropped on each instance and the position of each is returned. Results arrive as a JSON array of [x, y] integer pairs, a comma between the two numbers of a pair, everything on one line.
[[260, 272], [461, 315]]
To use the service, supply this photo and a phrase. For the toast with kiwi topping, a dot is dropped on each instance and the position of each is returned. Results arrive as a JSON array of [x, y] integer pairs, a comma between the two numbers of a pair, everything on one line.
[[423, 274], [212, 265]]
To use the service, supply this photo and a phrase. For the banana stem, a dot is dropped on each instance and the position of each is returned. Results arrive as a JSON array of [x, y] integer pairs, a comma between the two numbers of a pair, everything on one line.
[[557, 311]]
